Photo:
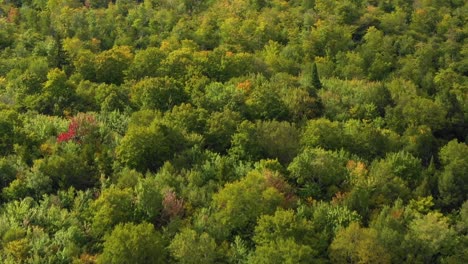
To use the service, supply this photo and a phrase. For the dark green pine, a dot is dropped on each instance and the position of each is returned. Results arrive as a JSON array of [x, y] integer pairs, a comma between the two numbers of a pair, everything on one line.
[[315, 80]]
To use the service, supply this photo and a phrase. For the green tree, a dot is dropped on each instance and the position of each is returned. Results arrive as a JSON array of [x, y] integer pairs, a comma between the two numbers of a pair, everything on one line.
[[188, 247], [145, 64], [327, 39], [179, 64], [84, 63], [7, 171], [391, 225], [148, 199], [378, 54], [285, 237], [266, 139], [350, 65], [367, 140], [403, 165], [188, 118], [424, 19], [111, 97], [355, 244], [111, 64], [394, 22], [147, 148], [301, 104], [277, 59], [57, 94], [420, 142], [429, 237], [282, 225], [113, 206], [345, 99], [433, 115], [323, 133], [217, 96], [239, 64], [389, 178], [157, 93], [282, 251], [221, 126], [319, 173], [264, 102], [66, 169], [9, 120], [238, 204], [131, 243], [315, 82], [452, 180]]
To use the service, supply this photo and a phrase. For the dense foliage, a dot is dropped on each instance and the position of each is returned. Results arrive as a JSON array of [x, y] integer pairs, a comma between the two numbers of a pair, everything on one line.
[[233, 131]]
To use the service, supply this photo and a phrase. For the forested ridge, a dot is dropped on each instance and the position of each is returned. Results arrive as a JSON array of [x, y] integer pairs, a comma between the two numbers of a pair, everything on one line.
[[233, 131]]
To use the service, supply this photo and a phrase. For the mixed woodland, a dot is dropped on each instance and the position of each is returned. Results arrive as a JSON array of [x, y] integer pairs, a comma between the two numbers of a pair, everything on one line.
[[233, 131]]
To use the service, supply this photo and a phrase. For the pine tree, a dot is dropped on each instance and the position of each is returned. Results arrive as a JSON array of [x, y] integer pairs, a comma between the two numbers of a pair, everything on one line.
[[315, 80]]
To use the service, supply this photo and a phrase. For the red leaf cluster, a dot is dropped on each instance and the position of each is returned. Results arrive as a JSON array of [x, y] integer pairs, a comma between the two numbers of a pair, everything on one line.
[[70, 134], [80, 127]]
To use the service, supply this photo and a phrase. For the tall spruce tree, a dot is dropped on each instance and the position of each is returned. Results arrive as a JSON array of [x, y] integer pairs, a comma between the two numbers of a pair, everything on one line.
[[315, 80]]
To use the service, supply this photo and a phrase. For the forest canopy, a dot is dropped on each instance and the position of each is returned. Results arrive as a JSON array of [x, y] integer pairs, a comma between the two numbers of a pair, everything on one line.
[[233, 131]]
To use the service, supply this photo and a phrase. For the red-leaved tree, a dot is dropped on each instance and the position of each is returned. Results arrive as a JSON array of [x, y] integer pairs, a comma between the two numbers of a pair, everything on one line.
[[81, 127]]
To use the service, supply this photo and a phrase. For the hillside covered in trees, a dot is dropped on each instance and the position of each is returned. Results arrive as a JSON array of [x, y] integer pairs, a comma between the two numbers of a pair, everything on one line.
[[233, 131]]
